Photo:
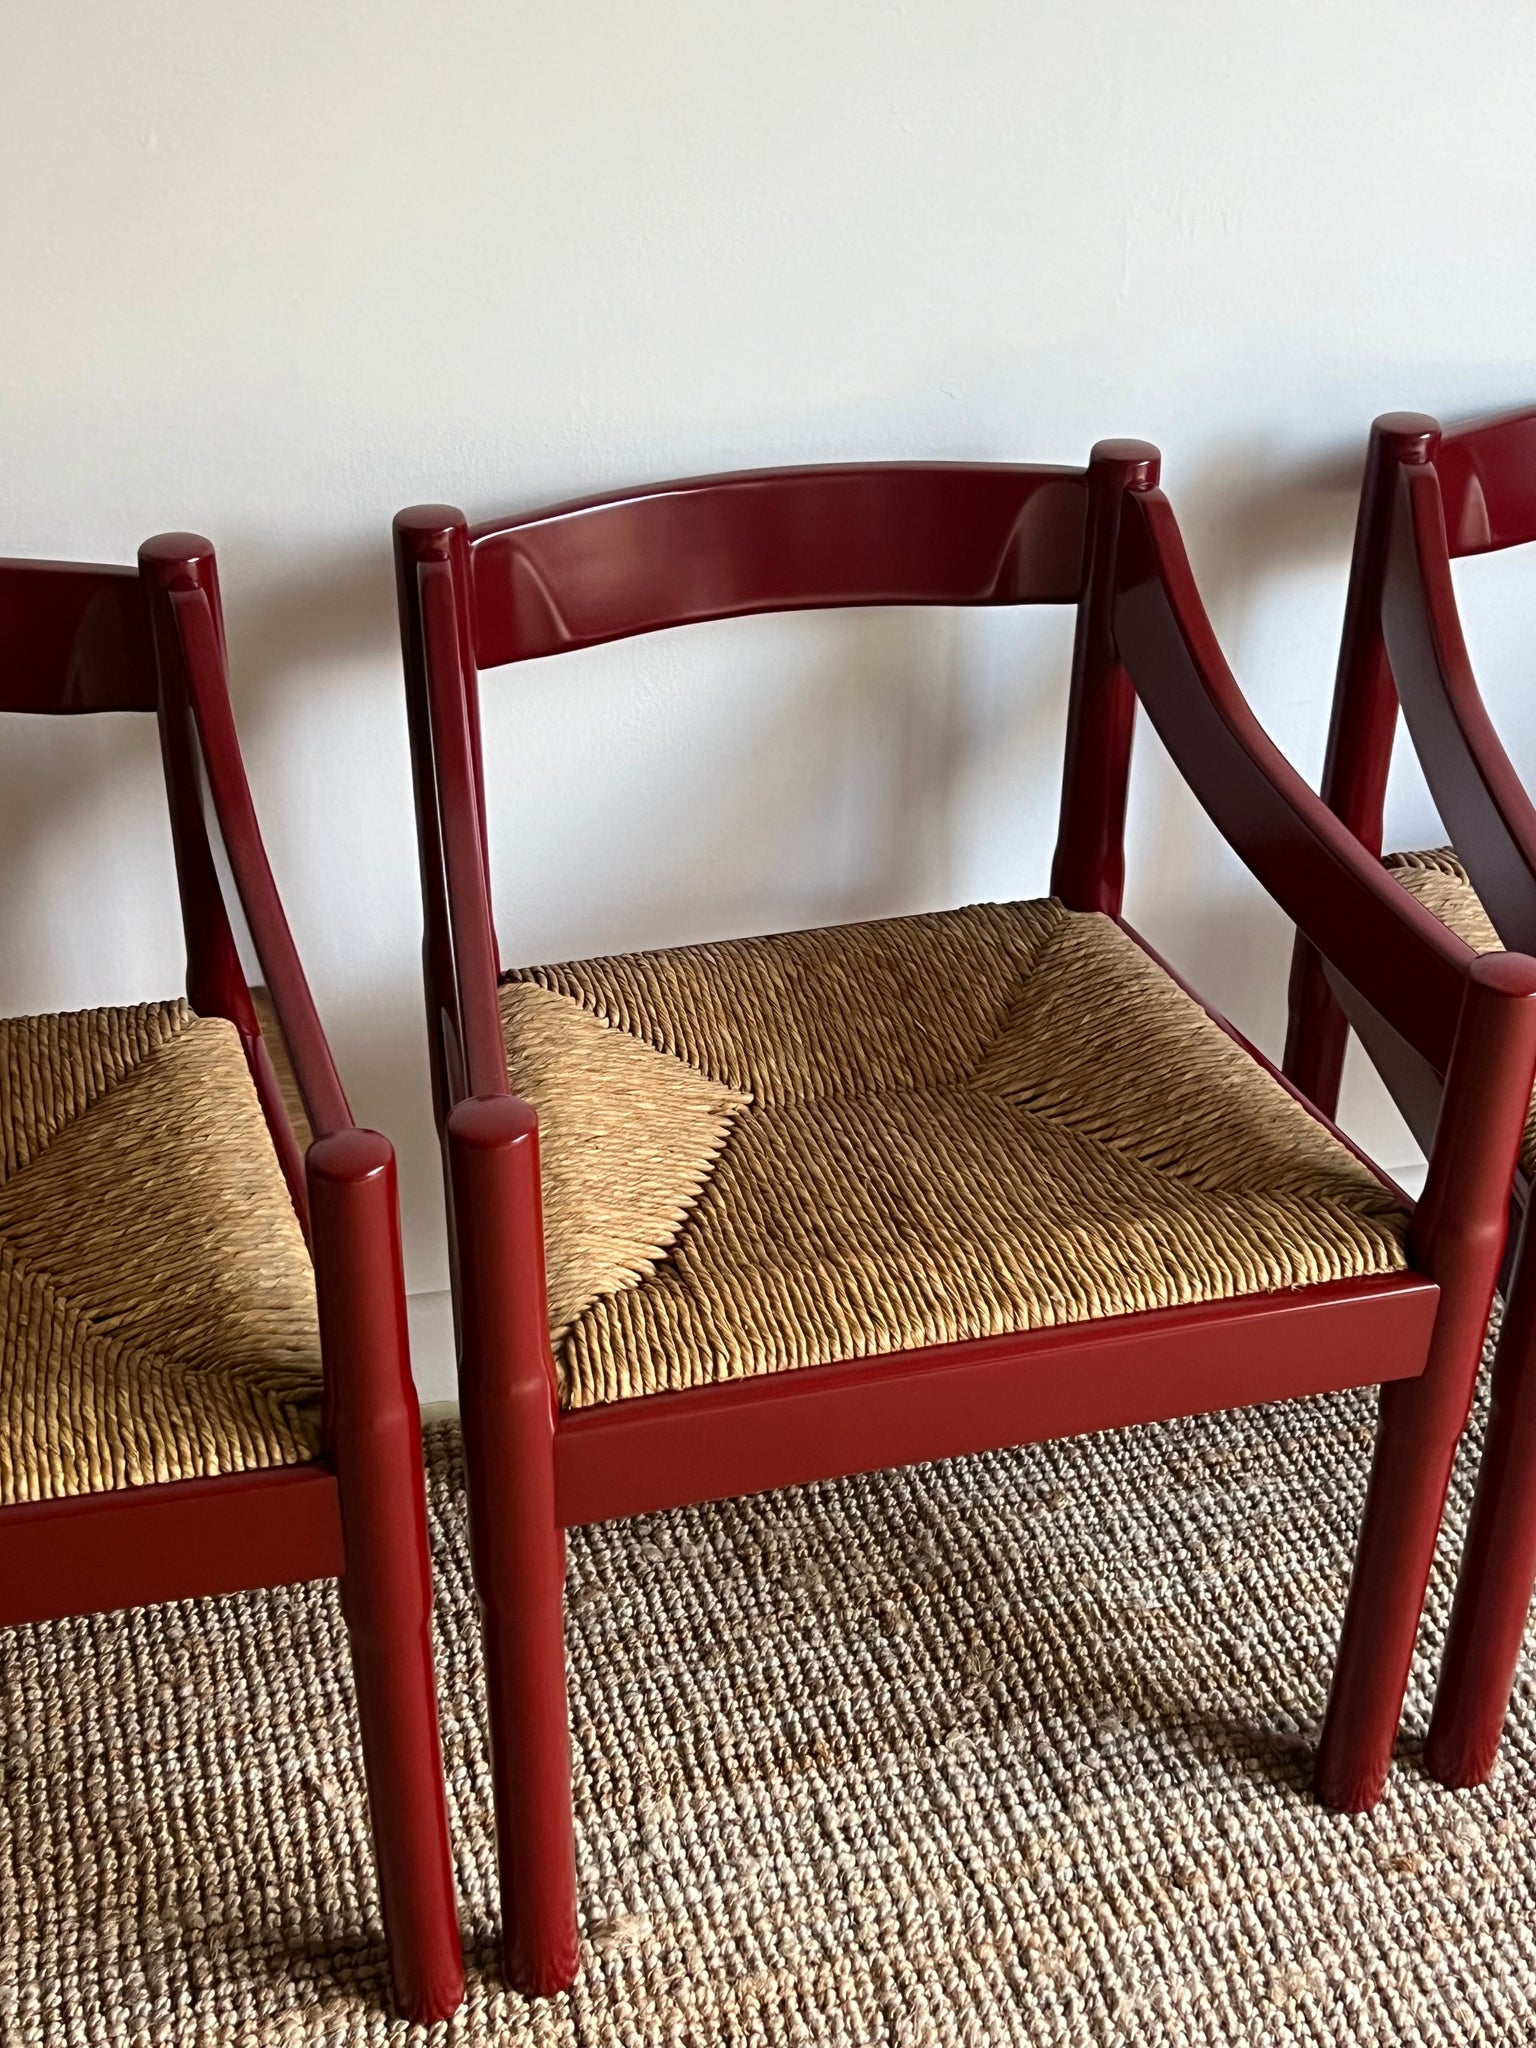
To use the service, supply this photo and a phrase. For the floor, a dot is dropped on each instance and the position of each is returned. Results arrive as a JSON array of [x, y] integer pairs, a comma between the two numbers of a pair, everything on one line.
[[1011, 1751]]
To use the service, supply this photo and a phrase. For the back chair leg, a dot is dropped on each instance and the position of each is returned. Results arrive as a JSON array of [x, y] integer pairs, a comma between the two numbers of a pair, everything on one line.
[[1359, 759], [373, 1439], [507, 1393], [1317, 1033], [1498, 1562]]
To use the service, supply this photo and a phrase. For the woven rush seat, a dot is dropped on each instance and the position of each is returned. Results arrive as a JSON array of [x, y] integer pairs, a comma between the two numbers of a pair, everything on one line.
[[157, 1305], [1440, 882], [786, 1151]]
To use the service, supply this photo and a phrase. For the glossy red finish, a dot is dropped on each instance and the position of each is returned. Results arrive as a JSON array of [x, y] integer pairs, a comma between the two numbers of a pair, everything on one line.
[[78, 639], [507, 1397], [1475, 787], [1088, 872], [1458, 1236], [714, 547], [1431, 496], [371, 1433], [1359, 752], [1487, 472], [1427, 497], [181, 582], [769, 540], [1404, 970], [1498, 1559], [92, 1553], [74, 638], [1396, 975], [461, 958]]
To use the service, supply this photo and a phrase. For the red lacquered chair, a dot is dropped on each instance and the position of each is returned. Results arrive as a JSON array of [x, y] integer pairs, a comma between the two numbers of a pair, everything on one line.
[[833, 1201], [177, 1416], [1428, 498]]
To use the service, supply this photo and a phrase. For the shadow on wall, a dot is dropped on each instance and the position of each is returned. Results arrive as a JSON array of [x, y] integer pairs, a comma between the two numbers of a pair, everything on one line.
[[724, 779], [85, 849], [1250, 524], [338, 608], [1250, 521]]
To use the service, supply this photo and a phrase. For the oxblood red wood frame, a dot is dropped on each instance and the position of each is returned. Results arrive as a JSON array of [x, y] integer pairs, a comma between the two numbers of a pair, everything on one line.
[[82, 639], [1103, 539], [1427, 498]]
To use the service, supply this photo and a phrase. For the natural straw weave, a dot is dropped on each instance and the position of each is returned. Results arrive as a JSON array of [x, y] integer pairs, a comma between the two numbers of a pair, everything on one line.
[[784, 1151], [1440, 882], [282, 1066], [1006, 1753], [157, 1308]]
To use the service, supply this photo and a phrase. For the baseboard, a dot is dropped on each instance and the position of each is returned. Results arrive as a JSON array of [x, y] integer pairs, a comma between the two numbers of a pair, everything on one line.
[[432, 1359], [1409, 1178]]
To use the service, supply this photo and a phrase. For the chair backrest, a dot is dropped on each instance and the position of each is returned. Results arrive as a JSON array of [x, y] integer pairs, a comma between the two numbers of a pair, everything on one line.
[[1427, 498], [775, 540], [598, 569], [1487, 473], [74, 638], [78, 638], [1102, 537], [1461, 494]]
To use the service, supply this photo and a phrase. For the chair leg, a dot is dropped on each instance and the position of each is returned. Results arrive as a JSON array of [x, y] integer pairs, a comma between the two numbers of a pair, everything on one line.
[[1457, 1236], [521, 1571], [387, 1611], [507, 1400], [371, 1431], [1498, 1561], [1411, 1470]]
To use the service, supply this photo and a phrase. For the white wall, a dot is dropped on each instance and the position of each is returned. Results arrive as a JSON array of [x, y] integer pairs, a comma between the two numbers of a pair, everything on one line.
[[271, 271]]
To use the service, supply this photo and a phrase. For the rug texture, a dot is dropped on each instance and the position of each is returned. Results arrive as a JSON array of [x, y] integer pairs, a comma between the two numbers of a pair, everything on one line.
[[1012, 1750]]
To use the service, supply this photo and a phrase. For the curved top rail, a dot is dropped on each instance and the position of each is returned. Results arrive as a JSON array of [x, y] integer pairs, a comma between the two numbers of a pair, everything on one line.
[[1488, 478], [1401, 960], [74, 637], [775, 540]]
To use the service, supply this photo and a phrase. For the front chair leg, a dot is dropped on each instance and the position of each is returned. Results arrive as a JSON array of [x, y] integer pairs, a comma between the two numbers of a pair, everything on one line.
[[1411, 1470], [520, 1575], [387, 1612], [372, 1438], [1457, 1236], [1498, 1561], [507, 1396], [1317, 1032]]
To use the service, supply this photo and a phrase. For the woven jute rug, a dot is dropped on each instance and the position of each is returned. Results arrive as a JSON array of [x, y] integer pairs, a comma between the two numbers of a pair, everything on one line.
[[1012, 1750]]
